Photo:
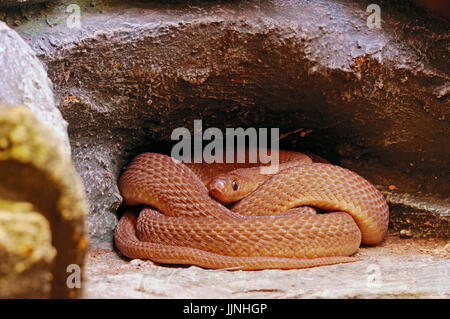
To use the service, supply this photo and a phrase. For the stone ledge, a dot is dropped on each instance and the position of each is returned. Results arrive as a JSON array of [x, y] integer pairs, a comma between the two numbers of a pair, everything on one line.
[[415, 216], [400, 268]]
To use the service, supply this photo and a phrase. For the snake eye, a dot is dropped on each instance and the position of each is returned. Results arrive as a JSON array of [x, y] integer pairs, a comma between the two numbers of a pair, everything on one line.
[[235, 185]]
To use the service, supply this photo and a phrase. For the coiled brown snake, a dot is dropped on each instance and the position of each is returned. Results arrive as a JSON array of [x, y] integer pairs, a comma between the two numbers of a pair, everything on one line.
[[181, 223]]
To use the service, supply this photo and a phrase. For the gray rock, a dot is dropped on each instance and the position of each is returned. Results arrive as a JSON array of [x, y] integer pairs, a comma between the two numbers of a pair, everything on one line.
[[382, 272], [373, 100], [24, 81]]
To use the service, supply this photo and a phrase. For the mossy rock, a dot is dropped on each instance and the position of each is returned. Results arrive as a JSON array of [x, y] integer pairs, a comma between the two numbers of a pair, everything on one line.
[[37, 177]]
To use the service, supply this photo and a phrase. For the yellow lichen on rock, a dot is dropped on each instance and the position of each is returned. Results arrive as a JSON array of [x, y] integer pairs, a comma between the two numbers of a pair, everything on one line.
[[42, 207], [26, 251]]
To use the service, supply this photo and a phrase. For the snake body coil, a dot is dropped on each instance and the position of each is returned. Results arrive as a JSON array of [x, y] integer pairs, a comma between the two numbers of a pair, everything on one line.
[[266, 229]]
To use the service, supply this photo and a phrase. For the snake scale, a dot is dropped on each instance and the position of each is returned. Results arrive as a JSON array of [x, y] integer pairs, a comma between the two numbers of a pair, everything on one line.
[[272, 226]]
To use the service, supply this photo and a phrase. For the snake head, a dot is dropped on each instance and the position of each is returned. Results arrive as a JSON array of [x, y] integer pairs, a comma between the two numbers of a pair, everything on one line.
[[229, 188]]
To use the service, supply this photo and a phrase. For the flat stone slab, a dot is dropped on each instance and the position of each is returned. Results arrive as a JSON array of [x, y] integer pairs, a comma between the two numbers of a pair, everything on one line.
[[399, 268]]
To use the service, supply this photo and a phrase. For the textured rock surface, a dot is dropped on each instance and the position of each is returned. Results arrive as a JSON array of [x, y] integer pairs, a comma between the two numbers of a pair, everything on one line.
[[26, 252], [400, 268], [12, 3], [440, 8], [24, 81], [419, 217], [35, 168], [374, 100]]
